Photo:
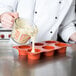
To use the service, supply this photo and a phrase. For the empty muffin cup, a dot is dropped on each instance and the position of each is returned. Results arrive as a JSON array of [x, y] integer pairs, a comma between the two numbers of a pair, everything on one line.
[[23, 49], [35, 55], [39, 44], [48, 50], [62, 49], [61, 44]]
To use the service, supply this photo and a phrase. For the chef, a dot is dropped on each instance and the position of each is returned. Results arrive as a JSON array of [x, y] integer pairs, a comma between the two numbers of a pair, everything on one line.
[[52, 17]]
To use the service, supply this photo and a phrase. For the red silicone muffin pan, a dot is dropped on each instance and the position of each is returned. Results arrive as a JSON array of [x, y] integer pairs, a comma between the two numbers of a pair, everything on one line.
[[48, 48]]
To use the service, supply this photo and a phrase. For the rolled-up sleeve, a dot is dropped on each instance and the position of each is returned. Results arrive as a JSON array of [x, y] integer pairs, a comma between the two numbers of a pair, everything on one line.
[[67, 27], [8, 6]]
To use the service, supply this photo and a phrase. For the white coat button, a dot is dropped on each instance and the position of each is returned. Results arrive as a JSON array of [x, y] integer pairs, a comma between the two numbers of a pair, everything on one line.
[[51, 32], [59, 2], [56, 17], [35, 12]]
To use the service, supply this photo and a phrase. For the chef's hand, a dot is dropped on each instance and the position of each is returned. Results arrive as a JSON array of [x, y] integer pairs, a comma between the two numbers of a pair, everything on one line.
[[73, 37], [7, 19]]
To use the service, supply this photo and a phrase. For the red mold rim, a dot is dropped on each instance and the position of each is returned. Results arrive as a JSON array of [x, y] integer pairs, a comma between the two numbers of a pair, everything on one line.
[[48, 47], [50, 42], [36, 51], [22, 47], [39, 44], [61, 44]]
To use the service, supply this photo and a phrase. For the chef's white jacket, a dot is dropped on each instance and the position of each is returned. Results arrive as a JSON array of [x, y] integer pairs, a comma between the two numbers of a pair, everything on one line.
[[50, 16]]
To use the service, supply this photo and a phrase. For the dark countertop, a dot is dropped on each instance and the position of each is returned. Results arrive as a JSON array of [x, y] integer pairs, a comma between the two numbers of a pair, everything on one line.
[[13, 65]]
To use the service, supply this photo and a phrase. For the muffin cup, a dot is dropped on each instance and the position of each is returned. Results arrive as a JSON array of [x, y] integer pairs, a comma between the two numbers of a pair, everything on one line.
[[49, 50], [50, 53], [61, 44], [22, 52], [34, 56], [23, 49], [62, 50]]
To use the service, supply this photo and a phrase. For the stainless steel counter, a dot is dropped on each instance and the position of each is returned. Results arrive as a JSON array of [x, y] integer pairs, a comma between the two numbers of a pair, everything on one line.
[[13, 65]]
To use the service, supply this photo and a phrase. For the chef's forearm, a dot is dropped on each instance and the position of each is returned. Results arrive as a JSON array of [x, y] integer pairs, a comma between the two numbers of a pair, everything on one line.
[[67, 28], [73, 37]]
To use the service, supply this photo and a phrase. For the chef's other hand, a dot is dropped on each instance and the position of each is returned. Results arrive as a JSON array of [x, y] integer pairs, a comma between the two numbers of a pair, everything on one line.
[[7, 19], [73, 37]]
